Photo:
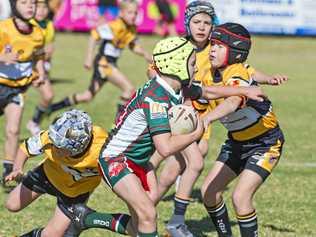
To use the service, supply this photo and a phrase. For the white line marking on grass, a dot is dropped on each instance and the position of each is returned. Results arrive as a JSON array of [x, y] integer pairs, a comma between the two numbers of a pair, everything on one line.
[[300, 164]]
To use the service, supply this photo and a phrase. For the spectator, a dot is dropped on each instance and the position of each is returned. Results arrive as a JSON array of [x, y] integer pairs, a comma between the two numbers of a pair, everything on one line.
[[166, 24]]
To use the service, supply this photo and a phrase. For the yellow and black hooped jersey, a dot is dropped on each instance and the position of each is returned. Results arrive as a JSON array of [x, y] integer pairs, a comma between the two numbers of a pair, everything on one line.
[[253, 118], [116, 36], [29, 47], [47, 28], [71, 176]]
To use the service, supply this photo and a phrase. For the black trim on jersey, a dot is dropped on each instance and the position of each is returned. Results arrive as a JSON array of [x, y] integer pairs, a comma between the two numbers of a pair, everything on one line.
[[238, 130], [19, 30], [160, 132], [240, 78], [217, 76]]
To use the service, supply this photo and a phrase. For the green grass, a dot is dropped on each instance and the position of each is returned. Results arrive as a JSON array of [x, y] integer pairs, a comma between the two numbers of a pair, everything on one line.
[[286, 203]]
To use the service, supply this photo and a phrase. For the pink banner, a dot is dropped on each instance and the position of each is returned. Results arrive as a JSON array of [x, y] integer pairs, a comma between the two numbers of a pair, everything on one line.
[[82, 15]]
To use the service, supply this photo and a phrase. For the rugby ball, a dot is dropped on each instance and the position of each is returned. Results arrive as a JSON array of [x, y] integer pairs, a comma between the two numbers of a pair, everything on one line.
[[182, 119]]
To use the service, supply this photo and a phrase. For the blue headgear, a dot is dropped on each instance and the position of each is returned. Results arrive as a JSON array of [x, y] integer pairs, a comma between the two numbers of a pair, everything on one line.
[[71, 131], [196, 7]]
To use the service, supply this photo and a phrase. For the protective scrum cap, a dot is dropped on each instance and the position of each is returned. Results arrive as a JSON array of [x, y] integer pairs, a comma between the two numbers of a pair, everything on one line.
[[71, 131], [237, 40], [171, 57], [196, 7]]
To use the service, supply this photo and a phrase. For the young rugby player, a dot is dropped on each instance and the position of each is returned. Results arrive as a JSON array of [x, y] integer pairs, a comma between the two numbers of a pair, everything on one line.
[[42, 20], [115, 36], [71, 147], [255, 140], [200, 18], [21, 50]]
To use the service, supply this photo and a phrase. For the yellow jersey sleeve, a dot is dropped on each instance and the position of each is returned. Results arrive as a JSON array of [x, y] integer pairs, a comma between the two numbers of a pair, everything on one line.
[[251, 71], [33, 146], [50, 33]]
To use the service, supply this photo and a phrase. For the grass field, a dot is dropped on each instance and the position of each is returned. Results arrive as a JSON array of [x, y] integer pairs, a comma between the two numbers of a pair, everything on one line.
[[286, 203]]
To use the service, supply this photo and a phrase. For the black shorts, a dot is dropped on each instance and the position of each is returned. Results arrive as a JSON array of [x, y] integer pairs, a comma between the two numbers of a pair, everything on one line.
[[11, 95], [260, 155], [37, 181], [102, 69], [165, 10]]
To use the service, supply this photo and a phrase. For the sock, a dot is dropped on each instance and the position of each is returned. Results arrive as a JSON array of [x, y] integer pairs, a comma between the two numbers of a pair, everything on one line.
[[34, 233], [248, 224], [67, 102], [153, 234], [180, 207], [7, 168], [220, 219], [38, 114], [113, 222]]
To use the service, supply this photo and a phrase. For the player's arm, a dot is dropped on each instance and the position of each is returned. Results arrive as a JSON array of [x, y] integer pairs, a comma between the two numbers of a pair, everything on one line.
[[228, 106], [49, 50], [41, 72], [139, 50], [274, 80], [30, 147], [92, 42], [167, 144], [18, 166]]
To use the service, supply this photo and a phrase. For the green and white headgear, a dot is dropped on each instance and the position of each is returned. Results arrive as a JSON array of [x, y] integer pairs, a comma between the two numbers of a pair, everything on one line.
[[171, 56], [71, 131]]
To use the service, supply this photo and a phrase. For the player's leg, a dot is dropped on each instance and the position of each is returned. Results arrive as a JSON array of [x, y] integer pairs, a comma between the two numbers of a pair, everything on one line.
[[212, 193], [266, 153], [194, 166], [20, 197], [172, 168], [13, 115], [118, 79], [47, 95]]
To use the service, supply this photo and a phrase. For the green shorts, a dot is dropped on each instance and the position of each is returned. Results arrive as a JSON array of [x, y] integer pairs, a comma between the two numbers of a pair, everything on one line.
[[114, 169]]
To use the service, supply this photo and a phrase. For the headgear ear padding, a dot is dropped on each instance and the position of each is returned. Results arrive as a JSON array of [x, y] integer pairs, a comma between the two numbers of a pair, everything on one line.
[[236, 38]]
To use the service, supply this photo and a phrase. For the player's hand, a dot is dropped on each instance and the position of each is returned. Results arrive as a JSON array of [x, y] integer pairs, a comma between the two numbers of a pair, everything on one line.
[[277, 80], [88, 64], [255, 93], [9, 58], [14, 175], [39, 81], [198, 132]]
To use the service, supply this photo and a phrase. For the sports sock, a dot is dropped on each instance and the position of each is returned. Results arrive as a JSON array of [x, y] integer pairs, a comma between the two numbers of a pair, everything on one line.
[[67, 102], [113, 222], [220, 219], [248, 224], [38, 114], [180, 207], [34, 233], [7, 168], [153, 234]]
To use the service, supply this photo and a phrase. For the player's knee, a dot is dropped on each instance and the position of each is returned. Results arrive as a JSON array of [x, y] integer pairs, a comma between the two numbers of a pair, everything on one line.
[[12, 206], [196, 165], [210, 195], [241, 200], [49, 96], [12, 131], [147, 214], [167, 180], [87, 96]]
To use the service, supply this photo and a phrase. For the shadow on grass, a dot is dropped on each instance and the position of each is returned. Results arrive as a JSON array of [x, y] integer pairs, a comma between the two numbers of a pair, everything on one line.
[[279, 229], [55, 80], [201, 227]]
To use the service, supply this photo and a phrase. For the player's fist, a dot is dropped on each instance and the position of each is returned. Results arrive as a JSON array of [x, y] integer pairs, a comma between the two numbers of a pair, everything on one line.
[[14, 175]]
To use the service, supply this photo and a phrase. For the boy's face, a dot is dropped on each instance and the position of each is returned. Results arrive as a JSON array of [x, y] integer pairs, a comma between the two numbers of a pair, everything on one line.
[[200, 27], [129, 13], [26, 8], [41, 11], [218, 54]]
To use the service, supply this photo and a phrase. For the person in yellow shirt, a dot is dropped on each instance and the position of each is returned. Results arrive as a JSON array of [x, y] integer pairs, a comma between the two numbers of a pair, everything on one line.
[[42, 20], [114, 36], [71, 148], [255, 140], [21, 50]]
